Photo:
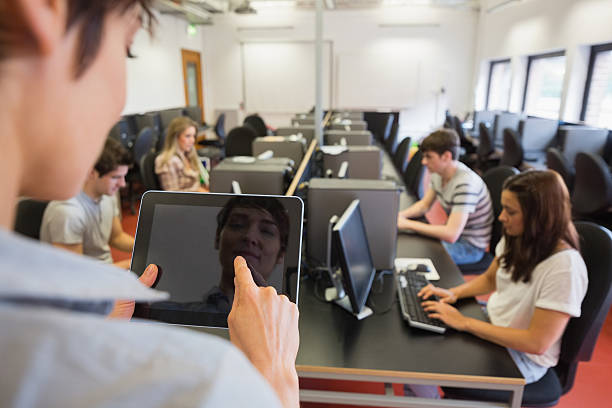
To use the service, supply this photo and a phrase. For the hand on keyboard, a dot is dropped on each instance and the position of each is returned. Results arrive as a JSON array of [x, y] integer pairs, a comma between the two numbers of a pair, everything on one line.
[[432, 292], [446, 314]]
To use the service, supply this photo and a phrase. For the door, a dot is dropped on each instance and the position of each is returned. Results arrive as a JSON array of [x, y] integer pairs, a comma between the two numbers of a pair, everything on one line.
[[192, 77]]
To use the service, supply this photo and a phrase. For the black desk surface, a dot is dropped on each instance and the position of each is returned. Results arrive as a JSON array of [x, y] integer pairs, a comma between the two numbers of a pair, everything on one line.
[[332, 338]]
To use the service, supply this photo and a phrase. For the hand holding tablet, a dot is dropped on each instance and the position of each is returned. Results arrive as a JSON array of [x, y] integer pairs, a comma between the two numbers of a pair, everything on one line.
[[264, 325]]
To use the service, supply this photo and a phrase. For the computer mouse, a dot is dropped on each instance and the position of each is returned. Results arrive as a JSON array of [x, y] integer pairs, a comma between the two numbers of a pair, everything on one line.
[[418, 267]]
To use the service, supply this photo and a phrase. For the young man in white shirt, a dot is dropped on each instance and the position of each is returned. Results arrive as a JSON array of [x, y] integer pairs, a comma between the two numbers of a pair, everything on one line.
[[89, 222]]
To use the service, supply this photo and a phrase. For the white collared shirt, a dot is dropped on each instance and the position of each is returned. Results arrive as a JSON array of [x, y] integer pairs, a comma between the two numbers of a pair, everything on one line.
[[54, 356]]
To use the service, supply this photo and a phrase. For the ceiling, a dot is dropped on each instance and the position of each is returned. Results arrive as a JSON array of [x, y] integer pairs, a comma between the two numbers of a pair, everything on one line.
[[202, 11]]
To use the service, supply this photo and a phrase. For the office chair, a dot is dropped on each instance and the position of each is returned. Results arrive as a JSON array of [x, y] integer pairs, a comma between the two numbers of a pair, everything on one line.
[[240, 142], [581, 333], [256, 123], [494, 179], [391, 130], [122, 132], [402, 155], [487, 157], [145, 142], [592, 195], [166, 116], [468, 145], [413, 176], [29, 216], [513, 150], [555, 160], [147, 172], [215, 149]]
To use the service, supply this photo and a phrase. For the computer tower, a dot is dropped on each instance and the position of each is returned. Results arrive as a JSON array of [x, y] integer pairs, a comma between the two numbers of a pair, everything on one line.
[[353, 137], [270, 176], [379, 200], [292, 147], [364, 162]]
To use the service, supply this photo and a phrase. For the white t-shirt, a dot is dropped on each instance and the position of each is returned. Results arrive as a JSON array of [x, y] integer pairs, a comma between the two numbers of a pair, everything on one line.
[[558, 283]]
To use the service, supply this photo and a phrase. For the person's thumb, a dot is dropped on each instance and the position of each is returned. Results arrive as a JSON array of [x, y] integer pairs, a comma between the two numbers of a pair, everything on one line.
[[149, 275]]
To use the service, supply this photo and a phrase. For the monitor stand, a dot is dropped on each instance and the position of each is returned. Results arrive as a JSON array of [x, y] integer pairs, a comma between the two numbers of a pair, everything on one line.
[[345, 303]]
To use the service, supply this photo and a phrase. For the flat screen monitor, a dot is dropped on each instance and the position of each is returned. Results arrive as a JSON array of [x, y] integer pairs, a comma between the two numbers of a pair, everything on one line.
[[351, 245]]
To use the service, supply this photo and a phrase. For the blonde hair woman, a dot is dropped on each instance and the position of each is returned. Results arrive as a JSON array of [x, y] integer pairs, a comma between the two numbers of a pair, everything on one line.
[[178, 166]]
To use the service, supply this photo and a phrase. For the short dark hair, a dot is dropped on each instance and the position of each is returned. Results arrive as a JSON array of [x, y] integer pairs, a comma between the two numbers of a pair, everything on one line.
[[89, 14], [441, 141], [113, 155], [268, 204]]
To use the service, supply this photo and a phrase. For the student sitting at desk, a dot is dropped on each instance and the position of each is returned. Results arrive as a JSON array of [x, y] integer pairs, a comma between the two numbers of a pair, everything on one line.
[[463, 196], [89, 223], [178, 166], [538, 277]]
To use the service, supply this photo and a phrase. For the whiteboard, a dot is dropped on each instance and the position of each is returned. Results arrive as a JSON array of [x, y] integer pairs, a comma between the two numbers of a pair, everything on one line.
[[377, 79], [279, 77]]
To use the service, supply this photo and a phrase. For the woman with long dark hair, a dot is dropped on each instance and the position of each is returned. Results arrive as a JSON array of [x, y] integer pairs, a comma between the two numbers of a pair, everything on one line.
[[537, 279]]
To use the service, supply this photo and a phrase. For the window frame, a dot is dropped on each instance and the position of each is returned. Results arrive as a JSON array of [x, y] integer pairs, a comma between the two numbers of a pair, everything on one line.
[[491, 65], [530, 59], [595, 49]]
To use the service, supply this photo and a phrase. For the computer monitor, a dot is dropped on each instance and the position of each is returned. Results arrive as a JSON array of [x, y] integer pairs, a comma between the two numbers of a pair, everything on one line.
[[379, 201], [353, 252]]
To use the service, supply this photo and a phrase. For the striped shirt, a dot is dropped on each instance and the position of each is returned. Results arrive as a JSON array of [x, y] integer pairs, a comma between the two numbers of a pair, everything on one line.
[[466, 192]]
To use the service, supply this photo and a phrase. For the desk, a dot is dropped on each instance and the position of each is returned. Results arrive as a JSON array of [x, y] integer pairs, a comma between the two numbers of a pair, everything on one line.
[[383, 348]]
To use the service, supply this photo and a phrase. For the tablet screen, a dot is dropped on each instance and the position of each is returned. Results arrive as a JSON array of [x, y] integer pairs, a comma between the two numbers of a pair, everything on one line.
[[193, 238]]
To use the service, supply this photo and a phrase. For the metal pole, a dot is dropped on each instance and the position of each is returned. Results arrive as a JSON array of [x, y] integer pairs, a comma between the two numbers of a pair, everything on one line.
[[318, 114]]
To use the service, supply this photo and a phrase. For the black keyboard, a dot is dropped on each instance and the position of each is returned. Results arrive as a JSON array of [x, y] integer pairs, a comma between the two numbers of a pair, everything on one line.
[[409, 284]]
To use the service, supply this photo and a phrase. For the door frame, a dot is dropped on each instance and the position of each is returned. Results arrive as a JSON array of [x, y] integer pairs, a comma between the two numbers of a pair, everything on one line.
[[188, 56]]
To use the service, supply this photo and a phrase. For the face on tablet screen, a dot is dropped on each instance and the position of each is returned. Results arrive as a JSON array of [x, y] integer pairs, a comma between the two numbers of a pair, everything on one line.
[[194, 238]]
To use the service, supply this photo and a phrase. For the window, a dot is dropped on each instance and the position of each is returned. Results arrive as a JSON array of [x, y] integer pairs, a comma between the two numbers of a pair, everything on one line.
[[544, 85], [498, 91], [597, 103]]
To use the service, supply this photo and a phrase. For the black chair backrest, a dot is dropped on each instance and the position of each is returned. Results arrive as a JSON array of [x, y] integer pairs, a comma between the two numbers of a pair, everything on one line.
[[592, 186], [150, 119], [555, 160], [413, 175], [469, 147], [513, 150], [485, 147], [194, 113], [29, 216], [147, 172], [122, 132], [402, 155], [239, 141], [256, 123], [390, 135], [494, 179], [581, 333], [220, 127], [145, 143]]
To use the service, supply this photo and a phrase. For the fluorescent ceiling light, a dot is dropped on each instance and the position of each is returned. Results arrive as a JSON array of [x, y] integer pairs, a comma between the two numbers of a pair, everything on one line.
[[270, 4], [501, 5], [330, 4]]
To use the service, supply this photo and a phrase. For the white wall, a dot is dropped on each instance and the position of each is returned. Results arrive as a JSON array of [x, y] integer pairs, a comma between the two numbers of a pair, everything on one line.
[[155, 77], [434, 57], [538, 26]]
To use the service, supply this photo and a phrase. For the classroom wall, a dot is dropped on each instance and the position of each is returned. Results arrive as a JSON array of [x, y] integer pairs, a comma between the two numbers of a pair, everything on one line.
[[538, 26], [155, 76], [439, 55]]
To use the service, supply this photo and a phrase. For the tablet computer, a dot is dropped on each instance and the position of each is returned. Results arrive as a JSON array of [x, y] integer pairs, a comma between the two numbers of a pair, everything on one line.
[[193, 238]]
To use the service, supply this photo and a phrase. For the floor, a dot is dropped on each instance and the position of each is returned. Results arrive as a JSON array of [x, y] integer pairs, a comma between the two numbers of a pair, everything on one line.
[[590, 388]]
